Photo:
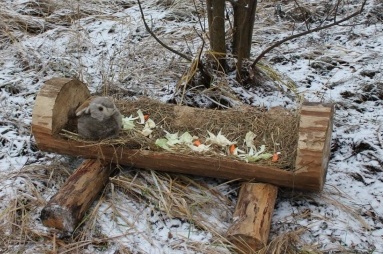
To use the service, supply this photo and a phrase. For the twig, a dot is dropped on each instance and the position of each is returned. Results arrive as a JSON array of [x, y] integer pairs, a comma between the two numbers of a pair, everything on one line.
[[157, 39], [303, 14], [289, 38], [202, 25]]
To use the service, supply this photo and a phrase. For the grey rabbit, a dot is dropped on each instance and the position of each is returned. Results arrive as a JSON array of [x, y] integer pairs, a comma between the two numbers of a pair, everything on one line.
[[98, 119]]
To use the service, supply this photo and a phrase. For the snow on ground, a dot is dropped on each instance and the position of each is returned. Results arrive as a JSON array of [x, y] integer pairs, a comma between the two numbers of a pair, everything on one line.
[[106, 43]]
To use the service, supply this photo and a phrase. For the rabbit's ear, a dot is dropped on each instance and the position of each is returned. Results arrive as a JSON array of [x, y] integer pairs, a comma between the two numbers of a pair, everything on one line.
[[81, 111], [84, 107]]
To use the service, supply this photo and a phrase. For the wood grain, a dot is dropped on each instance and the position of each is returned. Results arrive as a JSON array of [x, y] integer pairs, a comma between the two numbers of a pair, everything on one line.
[[252, 217]]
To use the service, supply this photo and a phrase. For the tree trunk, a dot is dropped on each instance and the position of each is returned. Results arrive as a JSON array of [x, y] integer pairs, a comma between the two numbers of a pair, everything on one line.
[[244, 15], [216, 20]]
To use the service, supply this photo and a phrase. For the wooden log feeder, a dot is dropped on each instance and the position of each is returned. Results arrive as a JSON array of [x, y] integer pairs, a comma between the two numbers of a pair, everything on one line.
[[54, 111]]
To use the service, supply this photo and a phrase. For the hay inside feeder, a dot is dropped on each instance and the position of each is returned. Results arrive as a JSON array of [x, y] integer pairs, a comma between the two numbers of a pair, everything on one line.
[[277, 130]]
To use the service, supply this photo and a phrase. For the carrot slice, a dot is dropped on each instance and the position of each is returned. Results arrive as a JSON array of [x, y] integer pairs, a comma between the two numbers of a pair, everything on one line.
[[197, 142], [275, 157], [232, 149]]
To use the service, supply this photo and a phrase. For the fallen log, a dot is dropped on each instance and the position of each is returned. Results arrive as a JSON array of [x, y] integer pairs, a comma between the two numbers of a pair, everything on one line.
[[252, 217], [68, 206], [58, 99]]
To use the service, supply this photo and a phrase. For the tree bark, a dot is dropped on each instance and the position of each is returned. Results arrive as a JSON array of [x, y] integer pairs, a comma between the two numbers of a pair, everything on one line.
[[68, 206], [216, 20], [252, 217], [244, 16]]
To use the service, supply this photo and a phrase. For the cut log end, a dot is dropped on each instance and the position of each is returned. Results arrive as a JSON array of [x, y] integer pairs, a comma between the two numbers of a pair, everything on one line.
[[58, 217]]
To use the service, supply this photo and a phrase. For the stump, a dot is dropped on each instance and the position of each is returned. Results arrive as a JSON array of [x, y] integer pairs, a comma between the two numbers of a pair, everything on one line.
[[54, 109]]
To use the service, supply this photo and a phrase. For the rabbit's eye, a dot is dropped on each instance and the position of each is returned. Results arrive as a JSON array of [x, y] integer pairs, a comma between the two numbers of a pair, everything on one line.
[[100, 108]]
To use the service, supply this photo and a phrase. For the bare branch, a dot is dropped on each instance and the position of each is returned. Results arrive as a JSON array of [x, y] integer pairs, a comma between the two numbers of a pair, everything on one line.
[[157, 39], [201, 24], [278, 43]]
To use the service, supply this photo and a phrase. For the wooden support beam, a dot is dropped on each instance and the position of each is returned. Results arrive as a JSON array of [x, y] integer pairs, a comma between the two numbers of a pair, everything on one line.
[[58, 99], [68, 206], [252, 217]]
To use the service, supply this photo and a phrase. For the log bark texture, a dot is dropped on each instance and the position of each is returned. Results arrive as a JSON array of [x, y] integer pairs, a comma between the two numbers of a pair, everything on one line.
[[60, 97], [68, 206], [252, 217]]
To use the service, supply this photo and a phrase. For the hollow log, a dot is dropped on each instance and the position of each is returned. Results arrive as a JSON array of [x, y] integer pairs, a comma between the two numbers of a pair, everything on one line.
[[252, 217], [68, 206], [58, 99]]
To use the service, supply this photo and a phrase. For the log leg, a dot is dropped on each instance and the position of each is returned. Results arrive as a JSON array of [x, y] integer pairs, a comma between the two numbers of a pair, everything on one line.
[[67, 207], [252, 217]]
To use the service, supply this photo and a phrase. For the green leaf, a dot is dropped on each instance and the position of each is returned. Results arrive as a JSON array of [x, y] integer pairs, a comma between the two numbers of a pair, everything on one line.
[[264, 156], [186, 138], [172, 138], [163, 143], [128, 123]]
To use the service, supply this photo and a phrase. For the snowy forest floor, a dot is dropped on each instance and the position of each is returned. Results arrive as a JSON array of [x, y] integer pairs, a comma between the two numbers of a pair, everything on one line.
[[105, 44]]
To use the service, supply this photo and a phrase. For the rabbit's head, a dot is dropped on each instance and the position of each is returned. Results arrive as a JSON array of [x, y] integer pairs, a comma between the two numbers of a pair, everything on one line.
[[100, 108]]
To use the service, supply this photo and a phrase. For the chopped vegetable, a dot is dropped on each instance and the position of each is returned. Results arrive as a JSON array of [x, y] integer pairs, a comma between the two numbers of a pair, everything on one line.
[[146, 131], [172, 138], [186, 138], [218, 139], [232, 148], [275, 157], [254, 158], [163, 143], [150, 124], [200, 148], [197, 142], [141, 116], [128, 122], [249, 139]]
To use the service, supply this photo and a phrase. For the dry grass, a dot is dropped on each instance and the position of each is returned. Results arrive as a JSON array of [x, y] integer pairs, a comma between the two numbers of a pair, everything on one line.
[[277, 129], [206, 206], [173, 196], [204, 203]]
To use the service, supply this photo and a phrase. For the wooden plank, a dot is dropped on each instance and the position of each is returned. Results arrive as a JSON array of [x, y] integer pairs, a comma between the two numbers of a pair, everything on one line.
[[252, 217]]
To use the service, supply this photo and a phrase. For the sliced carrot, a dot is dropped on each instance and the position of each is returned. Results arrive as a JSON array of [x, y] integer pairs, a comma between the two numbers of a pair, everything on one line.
[[197, 142], [232, 149], [146, 117], [275, 157]]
